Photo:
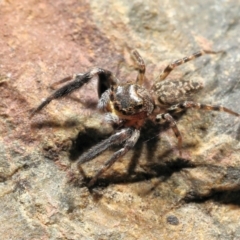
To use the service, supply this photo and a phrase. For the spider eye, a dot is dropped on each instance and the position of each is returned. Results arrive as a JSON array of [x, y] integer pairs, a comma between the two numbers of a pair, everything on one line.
[[117, 105], [111, 96], [139, 106]]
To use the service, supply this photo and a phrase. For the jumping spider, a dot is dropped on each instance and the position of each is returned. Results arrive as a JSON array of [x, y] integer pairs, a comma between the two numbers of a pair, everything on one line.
[[129, 105]]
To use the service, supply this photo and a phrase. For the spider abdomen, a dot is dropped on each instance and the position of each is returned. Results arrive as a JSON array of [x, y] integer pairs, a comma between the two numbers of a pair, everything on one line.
[[171, 92]]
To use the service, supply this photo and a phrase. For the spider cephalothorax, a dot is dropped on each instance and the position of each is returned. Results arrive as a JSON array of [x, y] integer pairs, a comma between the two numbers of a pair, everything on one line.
[[130, 103], [128, 106], [132, 99]]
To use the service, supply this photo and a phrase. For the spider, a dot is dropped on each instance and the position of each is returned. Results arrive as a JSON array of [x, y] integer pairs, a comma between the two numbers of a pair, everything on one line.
[[129, 105]]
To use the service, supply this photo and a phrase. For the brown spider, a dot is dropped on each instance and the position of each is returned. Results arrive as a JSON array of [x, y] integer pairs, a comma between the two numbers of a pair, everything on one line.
[[129, 105]]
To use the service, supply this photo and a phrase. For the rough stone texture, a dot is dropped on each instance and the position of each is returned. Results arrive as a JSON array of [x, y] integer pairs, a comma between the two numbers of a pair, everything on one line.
[[151, 193]]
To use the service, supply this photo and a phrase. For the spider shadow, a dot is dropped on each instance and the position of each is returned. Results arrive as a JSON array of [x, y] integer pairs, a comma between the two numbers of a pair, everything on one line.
[[230, 196], [86, 139], [162, 170], [55, 124], [226, 193], [155, 170], [150, 138]]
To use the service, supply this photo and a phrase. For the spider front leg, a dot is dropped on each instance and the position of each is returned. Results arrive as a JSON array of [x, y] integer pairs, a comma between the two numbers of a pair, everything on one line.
[[127, 135], [166, 117], [66, 79], [105, 80], [181, 61], [141, 67], [189, 104]]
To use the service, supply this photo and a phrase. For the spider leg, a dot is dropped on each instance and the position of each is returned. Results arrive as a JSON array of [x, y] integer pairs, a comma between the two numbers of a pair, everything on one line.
[[129, 144], [166, 117], [66, 79], [116, 138], [141, 67], [189, 104], [181, 61], [104, 100], [105, 80]]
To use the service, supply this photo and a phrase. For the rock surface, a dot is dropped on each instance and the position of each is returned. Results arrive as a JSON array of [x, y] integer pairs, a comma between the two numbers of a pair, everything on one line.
[[151, 193]]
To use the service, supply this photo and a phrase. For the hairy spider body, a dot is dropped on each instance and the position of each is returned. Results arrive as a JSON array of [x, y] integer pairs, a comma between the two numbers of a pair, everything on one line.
[[128, 106]]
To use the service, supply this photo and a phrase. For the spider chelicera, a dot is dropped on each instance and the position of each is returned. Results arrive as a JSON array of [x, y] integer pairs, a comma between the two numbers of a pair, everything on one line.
[[129, 105]]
